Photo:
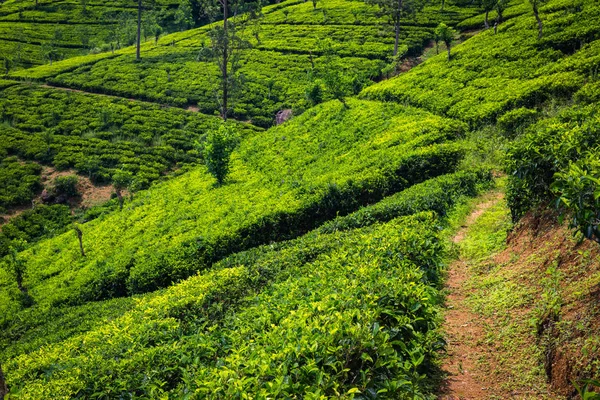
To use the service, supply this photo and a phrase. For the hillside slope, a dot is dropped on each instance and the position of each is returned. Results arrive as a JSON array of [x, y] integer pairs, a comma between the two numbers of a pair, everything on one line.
[[316, 269]]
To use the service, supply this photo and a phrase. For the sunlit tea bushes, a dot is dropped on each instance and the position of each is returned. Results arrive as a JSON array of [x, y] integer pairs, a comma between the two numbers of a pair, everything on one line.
[[99, 135], [277, 70], [325, 162], [342, 313], [491, 74], [28, 27]]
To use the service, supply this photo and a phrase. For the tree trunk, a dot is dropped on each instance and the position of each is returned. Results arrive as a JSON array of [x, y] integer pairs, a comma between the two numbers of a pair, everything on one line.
[[139, 31], [448, 45], [225, 57], [539, 21], [3, 387], [397, 27], [485, 22], [443, 3], [80, 237], [120, 197], [397, 39]]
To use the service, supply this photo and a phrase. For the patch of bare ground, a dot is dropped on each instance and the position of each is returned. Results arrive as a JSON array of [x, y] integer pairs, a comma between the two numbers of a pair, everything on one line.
[[90, 194], [570, 338]]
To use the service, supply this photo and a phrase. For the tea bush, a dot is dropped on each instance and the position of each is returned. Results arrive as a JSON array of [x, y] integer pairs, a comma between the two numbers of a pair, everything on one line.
[[19, 181], [276, 71], [31, 225], [549, 147], [100, 135], [71, 31]]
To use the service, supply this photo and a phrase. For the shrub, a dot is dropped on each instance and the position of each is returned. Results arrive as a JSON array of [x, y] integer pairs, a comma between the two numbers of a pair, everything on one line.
[[515, 122], [578, 191], [555, 145], [66, 186], [19, 181], [218, 147]]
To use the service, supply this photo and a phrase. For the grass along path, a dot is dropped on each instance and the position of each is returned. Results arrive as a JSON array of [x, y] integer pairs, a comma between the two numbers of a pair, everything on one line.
[[463, 327], [490, 351]]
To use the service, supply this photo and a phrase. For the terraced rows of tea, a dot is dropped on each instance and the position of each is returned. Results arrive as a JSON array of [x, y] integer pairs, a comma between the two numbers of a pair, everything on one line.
[[313, 267]]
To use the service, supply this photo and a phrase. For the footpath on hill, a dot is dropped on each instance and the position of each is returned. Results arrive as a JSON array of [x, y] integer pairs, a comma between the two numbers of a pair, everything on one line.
[[488, 355]]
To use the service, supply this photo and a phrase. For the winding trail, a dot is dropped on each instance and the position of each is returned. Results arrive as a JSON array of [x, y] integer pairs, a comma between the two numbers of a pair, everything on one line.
[[465, 330]]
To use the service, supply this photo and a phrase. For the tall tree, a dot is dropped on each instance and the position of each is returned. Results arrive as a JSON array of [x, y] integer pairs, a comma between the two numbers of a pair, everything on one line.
[[226, 46], [139, 32], [183, 16], [140, 8], [535, 5], [443, 33], [396, 10], [50, 49], [488, 6]]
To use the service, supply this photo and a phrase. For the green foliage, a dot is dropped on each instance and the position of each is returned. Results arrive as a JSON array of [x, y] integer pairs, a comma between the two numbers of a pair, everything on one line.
[[183, 16], [32, 225], [578, 191], [170, 73], [342, 313], [553, 146], [79, 32], [437, 194], [219, 145], [585, 389], [514, 122], [283, 183], [19, 181], [65, 186], [98, 136], [443, 33], [492, 74]]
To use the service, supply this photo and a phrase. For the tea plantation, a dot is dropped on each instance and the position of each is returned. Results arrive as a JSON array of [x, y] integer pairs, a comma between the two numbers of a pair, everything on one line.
[[313, 267], [283, 58], [36, 32]]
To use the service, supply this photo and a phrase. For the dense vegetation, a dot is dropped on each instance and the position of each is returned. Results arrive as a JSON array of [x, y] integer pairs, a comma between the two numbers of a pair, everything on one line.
[[350, 158], [36, 32], [284, 58], [301, 260], [98, 136], [357, 306], [492, 74]]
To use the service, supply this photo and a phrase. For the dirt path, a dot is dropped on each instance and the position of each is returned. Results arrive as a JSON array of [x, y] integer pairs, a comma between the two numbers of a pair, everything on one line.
[[465, 329]]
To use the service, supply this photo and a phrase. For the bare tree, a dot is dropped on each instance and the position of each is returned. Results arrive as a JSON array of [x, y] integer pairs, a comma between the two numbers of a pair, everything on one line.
[[396, 10], [535, 4], [80, 237]]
